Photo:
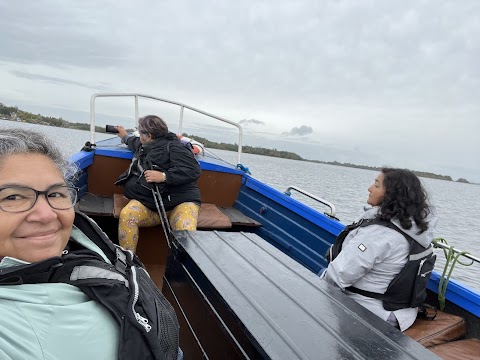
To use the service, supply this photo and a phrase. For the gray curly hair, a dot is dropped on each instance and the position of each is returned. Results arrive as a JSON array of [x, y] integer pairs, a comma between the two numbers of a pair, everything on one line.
[[153, 125], [23, 141]]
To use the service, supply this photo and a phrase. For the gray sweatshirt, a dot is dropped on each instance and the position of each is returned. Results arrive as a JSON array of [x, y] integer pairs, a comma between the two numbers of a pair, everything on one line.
[[371, 257]]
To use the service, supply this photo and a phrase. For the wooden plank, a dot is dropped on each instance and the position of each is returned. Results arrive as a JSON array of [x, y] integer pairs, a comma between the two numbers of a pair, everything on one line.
[[238, 218], [219, 188]]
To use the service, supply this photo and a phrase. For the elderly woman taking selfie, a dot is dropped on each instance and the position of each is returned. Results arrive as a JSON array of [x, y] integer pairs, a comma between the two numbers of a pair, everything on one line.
[[48, 306]]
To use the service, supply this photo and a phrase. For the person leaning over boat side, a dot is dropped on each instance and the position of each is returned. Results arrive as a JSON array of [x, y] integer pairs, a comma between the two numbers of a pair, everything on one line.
[[161, 159], [43, 314], [372, 256]]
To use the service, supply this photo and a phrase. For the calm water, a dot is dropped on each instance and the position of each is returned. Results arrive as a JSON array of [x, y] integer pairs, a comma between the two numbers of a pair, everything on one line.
[[457, 205]]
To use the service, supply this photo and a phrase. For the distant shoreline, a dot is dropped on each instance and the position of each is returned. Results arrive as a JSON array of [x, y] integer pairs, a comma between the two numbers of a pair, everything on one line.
[[12, 113], [290, 155]]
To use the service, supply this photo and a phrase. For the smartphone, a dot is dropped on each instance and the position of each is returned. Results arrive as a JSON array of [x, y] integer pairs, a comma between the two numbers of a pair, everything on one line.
[[111, 129]]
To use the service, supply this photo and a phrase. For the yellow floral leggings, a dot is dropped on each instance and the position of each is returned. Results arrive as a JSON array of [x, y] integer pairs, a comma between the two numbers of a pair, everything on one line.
[[135, 215]]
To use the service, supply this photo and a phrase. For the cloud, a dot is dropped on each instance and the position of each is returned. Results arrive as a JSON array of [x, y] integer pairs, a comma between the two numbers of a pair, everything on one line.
[[60, 35], [363, 61], [247, 122], [299, 131], [368, 73], [54, 80]]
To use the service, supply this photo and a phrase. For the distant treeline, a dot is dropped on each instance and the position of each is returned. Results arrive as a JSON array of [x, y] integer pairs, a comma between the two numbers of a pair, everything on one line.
[[418, 173], [15, 114], [246, 148], [289, 155]]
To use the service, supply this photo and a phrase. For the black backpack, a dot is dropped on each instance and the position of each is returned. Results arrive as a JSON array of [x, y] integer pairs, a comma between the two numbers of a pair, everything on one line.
[[148, 325]]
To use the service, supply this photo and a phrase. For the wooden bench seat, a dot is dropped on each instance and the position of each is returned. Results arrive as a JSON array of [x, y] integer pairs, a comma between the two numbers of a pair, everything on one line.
[[237, 217], [468, 349], [209, 217], [444, 328]]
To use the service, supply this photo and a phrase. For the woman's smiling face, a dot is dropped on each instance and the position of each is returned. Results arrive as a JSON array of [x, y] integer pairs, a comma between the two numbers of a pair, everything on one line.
[[41, 232]]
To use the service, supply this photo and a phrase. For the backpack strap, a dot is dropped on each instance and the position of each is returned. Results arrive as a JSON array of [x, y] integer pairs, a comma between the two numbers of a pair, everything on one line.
[[39, 272], [366, 293], [96, 234], [121, 261], [335, 249]]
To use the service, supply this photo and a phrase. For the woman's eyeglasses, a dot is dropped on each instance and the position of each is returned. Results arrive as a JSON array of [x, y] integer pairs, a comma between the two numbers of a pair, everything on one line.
[[15, 199]]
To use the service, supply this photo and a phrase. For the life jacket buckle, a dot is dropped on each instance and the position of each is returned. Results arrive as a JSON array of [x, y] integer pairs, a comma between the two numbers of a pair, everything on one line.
[[427, 312]]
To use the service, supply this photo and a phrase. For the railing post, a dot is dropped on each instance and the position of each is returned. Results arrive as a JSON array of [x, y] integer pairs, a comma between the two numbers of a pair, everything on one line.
[[136, 111], [180, 121], [92, 119]]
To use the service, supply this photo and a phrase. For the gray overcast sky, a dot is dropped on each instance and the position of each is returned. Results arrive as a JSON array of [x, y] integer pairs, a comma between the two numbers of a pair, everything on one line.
[[369, 82]]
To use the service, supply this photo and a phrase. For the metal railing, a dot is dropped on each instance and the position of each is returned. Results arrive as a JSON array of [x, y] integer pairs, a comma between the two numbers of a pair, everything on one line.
[[441, 245], [333, 211], [180, 123]]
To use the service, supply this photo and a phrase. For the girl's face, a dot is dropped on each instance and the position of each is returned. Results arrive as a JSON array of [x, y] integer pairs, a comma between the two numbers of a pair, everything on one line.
[[41, 232], [376, 191]]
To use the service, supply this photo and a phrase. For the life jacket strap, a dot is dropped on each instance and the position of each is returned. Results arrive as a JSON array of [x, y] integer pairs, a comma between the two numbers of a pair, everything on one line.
[[366, 293]]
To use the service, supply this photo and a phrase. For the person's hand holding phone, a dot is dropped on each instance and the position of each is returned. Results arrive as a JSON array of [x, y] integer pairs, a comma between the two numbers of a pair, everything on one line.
[[121, 132], [111, 129]]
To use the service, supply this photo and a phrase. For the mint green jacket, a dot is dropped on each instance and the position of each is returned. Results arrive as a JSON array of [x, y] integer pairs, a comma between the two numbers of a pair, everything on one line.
[[54, 321]]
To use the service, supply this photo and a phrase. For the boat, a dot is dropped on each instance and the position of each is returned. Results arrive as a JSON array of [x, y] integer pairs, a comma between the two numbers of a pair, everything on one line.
[[245, 285]]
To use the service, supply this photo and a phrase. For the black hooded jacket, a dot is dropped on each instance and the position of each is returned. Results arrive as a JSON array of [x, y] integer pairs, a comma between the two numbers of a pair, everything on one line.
[[165, 154]]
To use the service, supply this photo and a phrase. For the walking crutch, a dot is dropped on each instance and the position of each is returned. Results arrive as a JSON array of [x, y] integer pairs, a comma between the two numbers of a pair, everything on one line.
[[157, 197]]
